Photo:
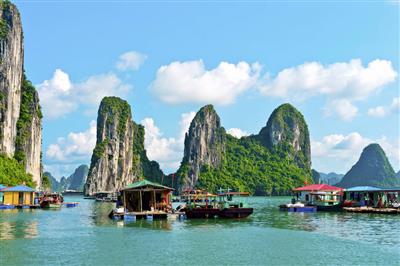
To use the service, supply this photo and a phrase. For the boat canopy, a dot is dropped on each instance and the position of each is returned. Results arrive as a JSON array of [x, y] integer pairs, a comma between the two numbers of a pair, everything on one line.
[[371, 189], [318, 187], [20, 188], [145, 183]]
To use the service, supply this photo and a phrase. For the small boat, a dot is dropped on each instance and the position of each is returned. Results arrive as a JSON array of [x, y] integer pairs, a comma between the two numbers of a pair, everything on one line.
[[71, 204], [233, 209], [200, 204], [297, 207], [106, 196], [51, 201]]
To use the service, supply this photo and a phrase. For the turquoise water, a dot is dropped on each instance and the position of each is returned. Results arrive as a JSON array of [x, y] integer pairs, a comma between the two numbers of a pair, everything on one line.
[[84, 235]]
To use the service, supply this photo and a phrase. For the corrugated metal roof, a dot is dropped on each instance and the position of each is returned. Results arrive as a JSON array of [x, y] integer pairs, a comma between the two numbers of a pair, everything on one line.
[[365, 188], [318, 187], [2, 186], [144, 183], [20, 188]]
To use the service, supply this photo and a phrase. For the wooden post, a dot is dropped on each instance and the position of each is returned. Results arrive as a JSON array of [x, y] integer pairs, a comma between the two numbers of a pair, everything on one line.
[[154, 199], [124, 200], [141, 204]]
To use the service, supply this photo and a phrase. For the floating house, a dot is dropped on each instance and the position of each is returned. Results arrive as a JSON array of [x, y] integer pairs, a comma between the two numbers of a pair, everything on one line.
[[324, 197], [372, 197], [146, 199], [18, 196]]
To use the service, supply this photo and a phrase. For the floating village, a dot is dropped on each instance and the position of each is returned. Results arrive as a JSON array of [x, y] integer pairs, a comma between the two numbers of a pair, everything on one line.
[[149, 200]]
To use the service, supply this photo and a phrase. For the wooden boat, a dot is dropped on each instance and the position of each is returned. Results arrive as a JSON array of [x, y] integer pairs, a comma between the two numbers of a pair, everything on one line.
[[233, 209], [199, 204], [51, 201]]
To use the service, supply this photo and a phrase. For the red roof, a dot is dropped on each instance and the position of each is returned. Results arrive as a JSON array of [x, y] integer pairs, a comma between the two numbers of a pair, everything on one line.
[[318, 187]]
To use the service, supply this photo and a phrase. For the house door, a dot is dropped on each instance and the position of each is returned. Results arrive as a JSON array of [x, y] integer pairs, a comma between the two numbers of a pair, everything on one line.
[[21, 198]]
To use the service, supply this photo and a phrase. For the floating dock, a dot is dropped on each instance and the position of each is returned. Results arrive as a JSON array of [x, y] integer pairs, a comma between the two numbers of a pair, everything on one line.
[[372, 210], [132, 216], [298, 209], [10, 207]]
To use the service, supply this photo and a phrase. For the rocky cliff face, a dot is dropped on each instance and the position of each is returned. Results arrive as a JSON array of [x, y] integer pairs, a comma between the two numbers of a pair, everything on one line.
[[28, 143], [272, 162], [112, 159], [372, 169], [20, 114], [11, 69], [119, 157], [77, 180], [204, 145], [286, 128]]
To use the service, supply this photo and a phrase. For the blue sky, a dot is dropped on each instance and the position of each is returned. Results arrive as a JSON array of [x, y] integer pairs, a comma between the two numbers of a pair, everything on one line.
[[337, 63]]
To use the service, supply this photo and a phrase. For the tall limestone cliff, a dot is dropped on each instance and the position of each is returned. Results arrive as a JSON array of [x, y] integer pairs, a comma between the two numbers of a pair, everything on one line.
[[20, 114], [119, 157], [260, 164], [28, 143], [372, 169], [286, 128], [11, 70], [204, 145]]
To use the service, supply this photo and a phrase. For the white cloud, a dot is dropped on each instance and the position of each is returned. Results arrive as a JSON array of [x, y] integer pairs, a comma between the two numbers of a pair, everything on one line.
[[237, 132], [344, 80], [382, 111], [341, 107], [339, 152], [168, 152], [77, 146], [182, 82], [344, 83], [130, 61], [59, 96]]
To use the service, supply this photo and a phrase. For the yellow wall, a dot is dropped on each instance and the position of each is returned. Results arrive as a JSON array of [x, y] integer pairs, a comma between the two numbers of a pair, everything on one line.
[[13, 198], [8, 198]]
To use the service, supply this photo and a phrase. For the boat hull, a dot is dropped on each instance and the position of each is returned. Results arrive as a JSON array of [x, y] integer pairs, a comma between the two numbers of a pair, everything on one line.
[[235, 212], [201, 213], [47, 205], [332, 208]]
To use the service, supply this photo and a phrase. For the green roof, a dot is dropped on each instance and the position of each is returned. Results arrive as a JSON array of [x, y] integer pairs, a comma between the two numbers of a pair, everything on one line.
[[145, 183]]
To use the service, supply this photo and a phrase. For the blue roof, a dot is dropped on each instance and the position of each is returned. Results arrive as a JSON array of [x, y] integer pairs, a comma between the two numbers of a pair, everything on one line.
[[20, 188], [2, 186], [363, 188]]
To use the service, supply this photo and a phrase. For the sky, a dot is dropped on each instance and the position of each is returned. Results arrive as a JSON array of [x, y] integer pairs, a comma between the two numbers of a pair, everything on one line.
[[335, 61]]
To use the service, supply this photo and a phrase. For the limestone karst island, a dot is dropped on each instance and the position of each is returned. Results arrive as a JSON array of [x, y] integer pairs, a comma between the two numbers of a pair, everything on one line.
[[191, 133]]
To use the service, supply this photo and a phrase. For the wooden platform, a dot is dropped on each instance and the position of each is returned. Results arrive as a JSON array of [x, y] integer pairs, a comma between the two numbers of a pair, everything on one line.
[[148, 215], [372, 210], [10, 207]]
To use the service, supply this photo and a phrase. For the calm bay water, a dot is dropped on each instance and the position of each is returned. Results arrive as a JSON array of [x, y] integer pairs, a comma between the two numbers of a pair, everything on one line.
[[84, 235]]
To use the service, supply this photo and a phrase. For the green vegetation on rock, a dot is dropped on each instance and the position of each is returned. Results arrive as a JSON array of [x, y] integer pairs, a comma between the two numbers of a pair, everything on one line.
[[13, 173], [4, 28], [120, 110], [28, 109], [287, 127], [372, 169], [249, 166], [46, 183]]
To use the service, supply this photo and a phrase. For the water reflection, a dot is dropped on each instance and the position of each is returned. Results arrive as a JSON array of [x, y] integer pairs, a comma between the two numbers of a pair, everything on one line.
[[377, 228], [18, 229]]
